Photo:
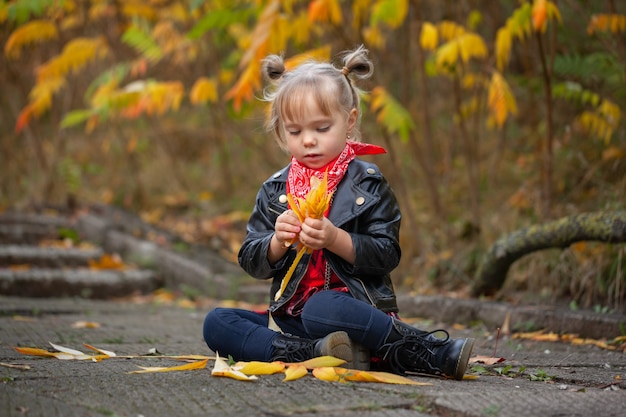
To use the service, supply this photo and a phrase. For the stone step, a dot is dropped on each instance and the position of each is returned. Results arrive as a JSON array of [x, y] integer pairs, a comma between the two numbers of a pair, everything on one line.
[[84, 282], [47, 256]]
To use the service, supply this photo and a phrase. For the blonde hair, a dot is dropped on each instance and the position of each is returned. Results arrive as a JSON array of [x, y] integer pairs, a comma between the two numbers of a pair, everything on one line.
[[332, 88]]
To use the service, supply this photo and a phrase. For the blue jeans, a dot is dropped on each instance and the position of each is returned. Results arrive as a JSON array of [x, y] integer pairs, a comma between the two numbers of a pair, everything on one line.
[[244, 334]]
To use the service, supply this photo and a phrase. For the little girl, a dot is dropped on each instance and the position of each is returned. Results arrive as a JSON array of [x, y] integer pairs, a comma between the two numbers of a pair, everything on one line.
[[340, 300]]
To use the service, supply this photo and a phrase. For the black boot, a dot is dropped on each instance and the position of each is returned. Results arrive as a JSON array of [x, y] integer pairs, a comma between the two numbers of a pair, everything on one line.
[[289, 348], [408, 349]]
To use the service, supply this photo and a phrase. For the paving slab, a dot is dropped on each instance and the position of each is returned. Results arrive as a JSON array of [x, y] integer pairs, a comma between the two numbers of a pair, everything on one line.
[[580, 380]]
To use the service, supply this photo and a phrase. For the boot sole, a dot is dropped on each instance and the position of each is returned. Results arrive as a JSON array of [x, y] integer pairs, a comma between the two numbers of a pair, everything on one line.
[[360, 358], [461, 363], [337, 344]]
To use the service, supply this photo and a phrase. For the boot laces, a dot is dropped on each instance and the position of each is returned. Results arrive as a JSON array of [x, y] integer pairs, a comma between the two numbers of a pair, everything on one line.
[[415, 352]]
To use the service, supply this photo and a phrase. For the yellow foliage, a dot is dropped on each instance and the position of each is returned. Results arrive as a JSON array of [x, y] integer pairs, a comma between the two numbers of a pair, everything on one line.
[[614, 23], [465, 46], [450, 30], [391, 12], [503, 44], [319, 54], [500, 100], [75, 55], [138, 8], [374, 37], [325, 11], [204, 90], [429, 37], [603, 121], [29, 33], [542, 11]]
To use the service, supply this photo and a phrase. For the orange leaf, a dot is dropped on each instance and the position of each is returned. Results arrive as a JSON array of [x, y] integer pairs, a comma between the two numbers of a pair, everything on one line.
[[539, 15], [107, 262]]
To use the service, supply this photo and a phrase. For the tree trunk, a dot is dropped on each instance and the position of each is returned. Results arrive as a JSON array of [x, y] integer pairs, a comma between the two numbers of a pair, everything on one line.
[[609, 227]]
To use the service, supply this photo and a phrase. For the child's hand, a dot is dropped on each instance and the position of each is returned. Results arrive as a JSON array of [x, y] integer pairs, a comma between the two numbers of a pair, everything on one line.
[[287, 228], [318, 233]]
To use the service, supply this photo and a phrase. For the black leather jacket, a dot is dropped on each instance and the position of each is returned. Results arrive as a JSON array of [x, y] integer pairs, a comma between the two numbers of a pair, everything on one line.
[[363, 205]]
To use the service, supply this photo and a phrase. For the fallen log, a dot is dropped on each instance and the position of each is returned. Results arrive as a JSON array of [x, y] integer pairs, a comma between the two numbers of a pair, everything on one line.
[[604, 226]]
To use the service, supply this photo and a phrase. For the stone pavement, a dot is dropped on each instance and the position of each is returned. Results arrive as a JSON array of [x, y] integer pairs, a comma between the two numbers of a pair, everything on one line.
[[536, 378]]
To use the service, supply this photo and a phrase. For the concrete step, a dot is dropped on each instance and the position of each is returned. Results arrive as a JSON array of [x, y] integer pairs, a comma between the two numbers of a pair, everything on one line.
[[84, 282], [47, 256]]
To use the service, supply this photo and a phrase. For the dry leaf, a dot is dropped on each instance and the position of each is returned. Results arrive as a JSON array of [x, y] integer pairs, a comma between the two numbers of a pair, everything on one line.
[[487, 360], [321, 361], [259, 368], [352, 375], [187, 367], [295, 371], [85, 325], [220, 368]]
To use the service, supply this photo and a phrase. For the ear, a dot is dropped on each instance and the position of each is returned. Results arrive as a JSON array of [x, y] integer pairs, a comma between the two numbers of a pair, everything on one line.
[[352, 119]]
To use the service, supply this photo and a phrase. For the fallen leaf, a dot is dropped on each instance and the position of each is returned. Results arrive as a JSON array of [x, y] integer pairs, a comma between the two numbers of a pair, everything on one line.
[[259, 368], [104, 352], [85, 325], [13, 366], [220, 368], [487, 360], [295, 371], [186, 367], [320, 361], [352, 375]]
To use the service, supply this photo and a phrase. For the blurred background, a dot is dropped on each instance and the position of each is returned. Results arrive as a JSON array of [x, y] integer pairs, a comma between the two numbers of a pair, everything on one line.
[[497, 115]]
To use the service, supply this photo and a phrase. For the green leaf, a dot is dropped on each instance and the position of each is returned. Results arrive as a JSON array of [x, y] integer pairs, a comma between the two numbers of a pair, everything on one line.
[[143, 43], [75, 117]]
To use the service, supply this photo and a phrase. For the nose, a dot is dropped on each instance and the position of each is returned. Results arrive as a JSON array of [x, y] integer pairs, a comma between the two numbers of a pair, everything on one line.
[[309, 139]]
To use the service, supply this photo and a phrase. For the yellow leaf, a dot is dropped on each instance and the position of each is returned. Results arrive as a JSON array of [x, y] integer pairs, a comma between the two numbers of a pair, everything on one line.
[[500, 99], [204, 90], [85, 325], [187, 367], [328, 373], [319, 54], [429, 37], [390, 378], [294, 372], [504, 40], [29, 33], [373, 36], [220, 368], [322, 361], [259, 368]]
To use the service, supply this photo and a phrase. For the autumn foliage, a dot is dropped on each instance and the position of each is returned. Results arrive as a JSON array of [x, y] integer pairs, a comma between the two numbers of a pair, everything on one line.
[[507, 113]]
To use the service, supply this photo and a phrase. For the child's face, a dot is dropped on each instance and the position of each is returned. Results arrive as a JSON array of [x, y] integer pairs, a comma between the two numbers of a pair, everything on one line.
[[315, 139]]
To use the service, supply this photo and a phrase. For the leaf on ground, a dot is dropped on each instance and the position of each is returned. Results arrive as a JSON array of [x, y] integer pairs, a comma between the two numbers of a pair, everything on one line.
[[320, 361], [104, 352], [295, 371], [14, 366], [187, 367], [220, 368], [85, 325], [353, 375], [487, 360], [259, 368]]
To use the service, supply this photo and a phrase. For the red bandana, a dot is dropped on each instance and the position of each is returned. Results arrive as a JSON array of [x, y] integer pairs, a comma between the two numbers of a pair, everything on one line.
[[299, 179], [299, 184]]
